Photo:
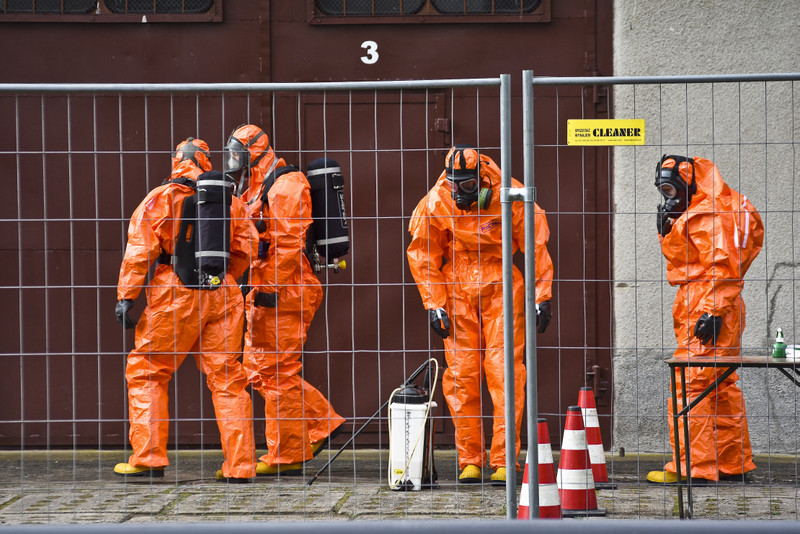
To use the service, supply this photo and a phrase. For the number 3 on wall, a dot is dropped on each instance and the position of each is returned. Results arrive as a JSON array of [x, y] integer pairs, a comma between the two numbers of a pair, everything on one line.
[[372, 52]]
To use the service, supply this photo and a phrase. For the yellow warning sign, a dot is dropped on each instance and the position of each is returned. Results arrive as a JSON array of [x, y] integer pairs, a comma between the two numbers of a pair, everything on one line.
[[605, 132]]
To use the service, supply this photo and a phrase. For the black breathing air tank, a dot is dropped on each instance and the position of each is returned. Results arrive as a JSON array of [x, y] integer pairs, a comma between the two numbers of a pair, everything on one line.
[[212, 246], [330, 233]]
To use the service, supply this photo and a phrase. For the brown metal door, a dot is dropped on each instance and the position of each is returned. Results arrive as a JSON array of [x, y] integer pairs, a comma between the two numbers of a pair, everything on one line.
[[370, 332], [64, 352], [573, 185]]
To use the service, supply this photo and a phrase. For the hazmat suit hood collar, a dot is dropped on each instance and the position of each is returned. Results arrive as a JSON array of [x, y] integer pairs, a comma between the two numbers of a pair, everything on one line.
[[440, 195], [260, 171], [710, 185], [185, 168], [266, 161], [490, 170]]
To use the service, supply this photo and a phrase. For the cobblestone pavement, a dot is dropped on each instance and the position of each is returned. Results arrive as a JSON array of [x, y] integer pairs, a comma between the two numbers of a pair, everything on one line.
[[77, 487]]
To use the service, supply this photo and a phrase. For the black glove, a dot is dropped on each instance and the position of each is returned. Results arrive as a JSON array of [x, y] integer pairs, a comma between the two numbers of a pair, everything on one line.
[[440, 322], [543, 316], [707, 329], [265, 300], [121, 311], [663, 220]]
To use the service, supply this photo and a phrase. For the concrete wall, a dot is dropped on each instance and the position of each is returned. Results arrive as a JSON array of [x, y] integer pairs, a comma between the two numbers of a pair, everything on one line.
[[751, 131]]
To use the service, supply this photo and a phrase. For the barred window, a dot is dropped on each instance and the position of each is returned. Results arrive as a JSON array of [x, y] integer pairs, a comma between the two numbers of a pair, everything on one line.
[[158, 6], [369, 7], [469, 7], [372, 11], [111, 10], [47, 6]]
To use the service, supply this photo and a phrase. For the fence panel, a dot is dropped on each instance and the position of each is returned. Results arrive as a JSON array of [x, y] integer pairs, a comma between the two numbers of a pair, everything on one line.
[[747, 126], [79, 159]]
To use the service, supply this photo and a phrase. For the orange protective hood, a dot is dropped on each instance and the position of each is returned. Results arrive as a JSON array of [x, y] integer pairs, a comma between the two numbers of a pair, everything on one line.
[[490, 170], [710, 185], [191, 158], [255, 140], [461, 162], [262, 157]]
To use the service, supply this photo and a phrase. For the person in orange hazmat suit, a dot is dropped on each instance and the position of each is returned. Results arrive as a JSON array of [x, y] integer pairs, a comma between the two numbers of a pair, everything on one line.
[[284, 295], [183, 314], [710, 235], [455, 256]]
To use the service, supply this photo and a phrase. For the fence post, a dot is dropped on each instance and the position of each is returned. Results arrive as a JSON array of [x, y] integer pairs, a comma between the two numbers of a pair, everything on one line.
[[532, 389], [508, 295]]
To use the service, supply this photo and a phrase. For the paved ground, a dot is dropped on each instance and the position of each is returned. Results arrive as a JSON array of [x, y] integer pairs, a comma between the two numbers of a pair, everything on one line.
[[62, 487]]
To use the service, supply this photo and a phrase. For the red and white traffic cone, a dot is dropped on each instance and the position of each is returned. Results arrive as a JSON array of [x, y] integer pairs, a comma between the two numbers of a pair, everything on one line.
[[575, 482], [524, 509], [594, 440], [549, 502]]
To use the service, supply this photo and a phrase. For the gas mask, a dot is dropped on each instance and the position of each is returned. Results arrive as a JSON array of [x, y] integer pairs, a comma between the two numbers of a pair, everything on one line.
[[676, 192], [464, 192], [462, 170], [237, 164], [467, 192]]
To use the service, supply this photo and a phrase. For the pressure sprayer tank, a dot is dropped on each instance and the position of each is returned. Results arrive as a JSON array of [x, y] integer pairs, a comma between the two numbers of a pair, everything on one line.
[[408, 444]]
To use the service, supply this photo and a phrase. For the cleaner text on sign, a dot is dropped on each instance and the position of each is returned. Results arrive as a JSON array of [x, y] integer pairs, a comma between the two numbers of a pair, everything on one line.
[[604, 132]]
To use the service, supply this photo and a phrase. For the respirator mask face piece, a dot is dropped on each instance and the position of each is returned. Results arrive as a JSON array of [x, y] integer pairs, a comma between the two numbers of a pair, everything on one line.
[[673, 188], [462, 170], [675, 196], [464, 192], [237, 164]]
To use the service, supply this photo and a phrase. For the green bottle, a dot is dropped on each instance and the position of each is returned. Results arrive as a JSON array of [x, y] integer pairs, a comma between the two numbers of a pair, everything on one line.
[[779, 348]]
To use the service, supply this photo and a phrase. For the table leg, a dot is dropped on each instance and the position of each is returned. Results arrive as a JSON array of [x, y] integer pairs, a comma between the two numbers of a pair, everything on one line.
[[687, 407], [690, 500], [789, 375], [675, 431]]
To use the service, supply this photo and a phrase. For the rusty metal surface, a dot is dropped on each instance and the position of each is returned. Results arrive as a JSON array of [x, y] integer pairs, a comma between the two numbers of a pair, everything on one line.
[[66, 395]]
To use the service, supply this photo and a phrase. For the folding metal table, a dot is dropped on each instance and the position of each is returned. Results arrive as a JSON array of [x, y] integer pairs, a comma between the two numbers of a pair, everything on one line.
[[729, 364]]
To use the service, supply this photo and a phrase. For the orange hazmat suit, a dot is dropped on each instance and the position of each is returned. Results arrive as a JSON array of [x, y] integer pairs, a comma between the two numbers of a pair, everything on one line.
[[297, 414], [179, 320], [708, 252], [455, 257]]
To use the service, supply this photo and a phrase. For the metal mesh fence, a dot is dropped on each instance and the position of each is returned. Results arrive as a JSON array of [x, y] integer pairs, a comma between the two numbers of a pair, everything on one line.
[[79, 159], [747, 126]]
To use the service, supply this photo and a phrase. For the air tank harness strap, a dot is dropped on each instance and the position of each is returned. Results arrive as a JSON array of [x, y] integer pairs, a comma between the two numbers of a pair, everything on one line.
[[263, 249], [164, 258]]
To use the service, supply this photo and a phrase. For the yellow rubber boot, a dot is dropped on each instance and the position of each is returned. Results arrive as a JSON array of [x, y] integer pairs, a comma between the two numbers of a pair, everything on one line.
[[319, 446], [231, 480], [127, 470], [471, 474], [265, 469], [499, 477], [663, 477]]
